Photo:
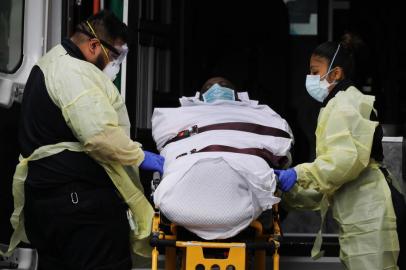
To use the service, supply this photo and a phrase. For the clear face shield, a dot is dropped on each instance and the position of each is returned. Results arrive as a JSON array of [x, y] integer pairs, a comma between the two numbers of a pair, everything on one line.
[[113, 67], [115, 54]]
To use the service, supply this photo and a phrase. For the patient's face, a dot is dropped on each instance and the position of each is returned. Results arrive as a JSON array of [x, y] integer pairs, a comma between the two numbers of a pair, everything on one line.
[[220, 80]]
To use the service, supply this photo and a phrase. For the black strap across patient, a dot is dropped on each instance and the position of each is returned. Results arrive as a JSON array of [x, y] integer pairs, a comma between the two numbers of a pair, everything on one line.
[[272, 160], [239, 126]]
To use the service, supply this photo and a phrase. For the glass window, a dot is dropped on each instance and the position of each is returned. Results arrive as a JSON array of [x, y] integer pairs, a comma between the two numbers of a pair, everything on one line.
[[11, 35]]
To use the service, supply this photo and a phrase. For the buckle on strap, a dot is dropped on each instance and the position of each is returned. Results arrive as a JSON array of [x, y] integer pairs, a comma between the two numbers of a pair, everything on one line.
[[188, 132], [74, 197]]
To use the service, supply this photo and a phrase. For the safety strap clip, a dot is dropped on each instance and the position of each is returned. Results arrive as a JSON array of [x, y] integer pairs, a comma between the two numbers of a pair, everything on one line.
[[74, 197], [188, 132]]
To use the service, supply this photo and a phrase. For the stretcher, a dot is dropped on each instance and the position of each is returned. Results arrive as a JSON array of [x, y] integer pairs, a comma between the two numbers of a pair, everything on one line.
[[186, 251]]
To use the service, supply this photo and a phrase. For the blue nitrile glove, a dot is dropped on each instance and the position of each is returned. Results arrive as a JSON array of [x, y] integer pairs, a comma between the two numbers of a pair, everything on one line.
[[287, 179], [153, 162]]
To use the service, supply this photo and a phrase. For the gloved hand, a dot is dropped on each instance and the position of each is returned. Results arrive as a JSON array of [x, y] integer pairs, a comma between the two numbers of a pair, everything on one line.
[[287, 179], [153, 162]]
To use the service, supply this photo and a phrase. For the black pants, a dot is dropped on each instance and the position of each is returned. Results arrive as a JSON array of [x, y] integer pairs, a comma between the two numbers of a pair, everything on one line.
[[399, 206], [400, 212], [90, 234]]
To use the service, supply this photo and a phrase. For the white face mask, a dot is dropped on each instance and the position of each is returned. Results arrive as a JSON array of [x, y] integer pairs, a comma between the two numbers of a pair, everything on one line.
[[317, 87], [113, 67]]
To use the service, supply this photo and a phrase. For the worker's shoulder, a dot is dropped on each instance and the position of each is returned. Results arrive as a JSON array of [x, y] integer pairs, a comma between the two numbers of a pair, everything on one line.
[[59, 64], [353, 95], [353, 100]]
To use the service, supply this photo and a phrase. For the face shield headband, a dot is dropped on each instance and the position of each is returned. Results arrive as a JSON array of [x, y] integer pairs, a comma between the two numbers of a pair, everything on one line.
[[104, 44]]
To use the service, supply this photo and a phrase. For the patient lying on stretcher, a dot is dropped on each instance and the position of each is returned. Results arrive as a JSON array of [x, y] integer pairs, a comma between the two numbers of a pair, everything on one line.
[[220, 149]]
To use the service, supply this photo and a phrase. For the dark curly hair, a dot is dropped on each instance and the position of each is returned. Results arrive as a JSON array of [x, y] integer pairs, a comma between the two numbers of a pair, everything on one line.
[[349, 44]]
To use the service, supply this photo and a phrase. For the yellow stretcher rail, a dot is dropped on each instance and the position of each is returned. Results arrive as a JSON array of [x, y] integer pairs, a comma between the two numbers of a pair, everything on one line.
[[235, 254]]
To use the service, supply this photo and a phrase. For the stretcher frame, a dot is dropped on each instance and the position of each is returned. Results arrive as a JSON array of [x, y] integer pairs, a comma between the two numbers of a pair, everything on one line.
[[192, 252]]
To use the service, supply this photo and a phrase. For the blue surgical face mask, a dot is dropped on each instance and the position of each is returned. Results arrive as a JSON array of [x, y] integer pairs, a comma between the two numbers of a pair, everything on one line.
[[218, 92], [318, 88]]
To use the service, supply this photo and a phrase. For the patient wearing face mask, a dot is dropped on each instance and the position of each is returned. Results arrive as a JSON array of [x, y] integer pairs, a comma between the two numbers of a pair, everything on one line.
[[220, 148], [218, 88]]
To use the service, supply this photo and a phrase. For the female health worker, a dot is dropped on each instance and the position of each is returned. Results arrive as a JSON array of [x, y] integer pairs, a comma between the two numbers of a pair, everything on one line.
[[346, 169]]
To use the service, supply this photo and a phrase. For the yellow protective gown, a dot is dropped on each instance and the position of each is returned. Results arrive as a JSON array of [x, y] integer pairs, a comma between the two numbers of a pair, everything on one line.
[[299, 198], [352, 183], [94, 110]]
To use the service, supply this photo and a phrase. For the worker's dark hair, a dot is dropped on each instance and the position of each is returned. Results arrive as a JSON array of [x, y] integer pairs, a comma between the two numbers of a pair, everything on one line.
[[107, 27], [349, 44]]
